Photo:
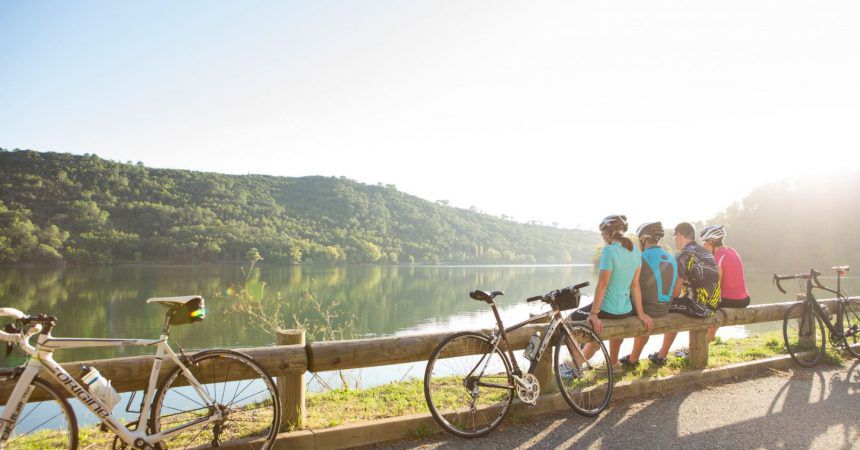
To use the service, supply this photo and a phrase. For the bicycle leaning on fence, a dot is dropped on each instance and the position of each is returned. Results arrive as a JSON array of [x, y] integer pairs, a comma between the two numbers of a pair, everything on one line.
[[471, 381], [804, 340], [207, 398]]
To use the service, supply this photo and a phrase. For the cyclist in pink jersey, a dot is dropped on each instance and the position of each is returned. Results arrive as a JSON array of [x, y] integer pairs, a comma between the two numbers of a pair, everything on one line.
[[733, 287]]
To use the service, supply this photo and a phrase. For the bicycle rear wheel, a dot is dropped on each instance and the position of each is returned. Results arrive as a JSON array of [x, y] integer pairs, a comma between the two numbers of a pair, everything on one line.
[[851, 327], [586, 384], [241, 390], [467, 385], [804, 336], [46, 421]]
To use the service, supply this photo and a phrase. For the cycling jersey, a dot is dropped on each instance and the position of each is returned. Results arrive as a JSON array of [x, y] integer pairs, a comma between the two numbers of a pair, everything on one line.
[[657, 280], [623, 264], [701, 279], [732, 284]]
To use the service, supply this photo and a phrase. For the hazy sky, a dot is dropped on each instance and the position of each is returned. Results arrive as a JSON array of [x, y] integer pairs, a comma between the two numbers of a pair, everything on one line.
[[554, 111]]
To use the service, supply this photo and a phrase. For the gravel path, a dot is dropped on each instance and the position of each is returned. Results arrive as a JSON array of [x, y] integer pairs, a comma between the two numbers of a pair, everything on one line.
[[796, 409]]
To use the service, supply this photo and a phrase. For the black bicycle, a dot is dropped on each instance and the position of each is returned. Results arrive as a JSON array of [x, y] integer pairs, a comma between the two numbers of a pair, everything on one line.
[[804, 340], [471, 381]]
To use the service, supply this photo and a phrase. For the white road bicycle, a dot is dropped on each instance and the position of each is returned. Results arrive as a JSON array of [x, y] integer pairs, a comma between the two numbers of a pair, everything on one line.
[[206, 399]]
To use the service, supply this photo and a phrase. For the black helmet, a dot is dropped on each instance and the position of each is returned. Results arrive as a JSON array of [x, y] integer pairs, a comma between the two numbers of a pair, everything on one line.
[[652, 230], [614, 223]]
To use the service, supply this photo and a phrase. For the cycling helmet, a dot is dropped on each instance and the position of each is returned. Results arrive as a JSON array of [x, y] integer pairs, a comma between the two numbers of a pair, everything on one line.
[[614, 222], [653, 230], [712, 232]]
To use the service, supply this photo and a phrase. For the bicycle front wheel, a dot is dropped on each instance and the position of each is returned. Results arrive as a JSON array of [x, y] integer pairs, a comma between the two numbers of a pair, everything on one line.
[[804, 336], [851, 326], [468, 386], [241, 390], [582, 371], [46, 421]]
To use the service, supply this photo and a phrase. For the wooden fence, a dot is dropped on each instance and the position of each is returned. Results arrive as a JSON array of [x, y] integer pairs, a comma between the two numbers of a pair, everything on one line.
[[289, 360]]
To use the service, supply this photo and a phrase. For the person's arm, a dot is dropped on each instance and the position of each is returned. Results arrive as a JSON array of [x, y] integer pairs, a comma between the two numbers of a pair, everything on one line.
[[599, 293], [636, 294], [677, 291]]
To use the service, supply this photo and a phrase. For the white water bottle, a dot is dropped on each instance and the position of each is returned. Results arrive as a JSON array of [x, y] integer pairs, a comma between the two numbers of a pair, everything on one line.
[[100, 387], [532, 348]]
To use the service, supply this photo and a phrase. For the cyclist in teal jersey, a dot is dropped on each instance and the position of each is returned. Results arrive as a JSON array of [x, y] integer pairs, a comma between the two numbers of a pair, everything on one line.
[[657, 281], [617, 284]]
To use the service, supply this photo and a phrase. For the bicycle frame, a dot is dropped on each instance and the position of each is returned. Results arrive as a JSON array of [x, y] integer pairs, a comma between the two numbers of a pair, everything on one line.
[[816, 308], [549, 331], [44, 358]]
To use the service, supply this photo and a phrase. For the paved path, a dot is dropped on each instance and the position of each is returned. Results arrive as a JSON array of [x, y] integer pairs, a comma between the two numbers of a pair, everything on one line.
[[796, 409]]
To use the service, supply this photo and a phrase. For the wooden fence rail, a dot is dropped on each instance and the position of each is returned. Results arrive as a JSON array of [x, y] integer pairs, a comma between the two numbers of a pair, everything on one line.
[[286, 361]]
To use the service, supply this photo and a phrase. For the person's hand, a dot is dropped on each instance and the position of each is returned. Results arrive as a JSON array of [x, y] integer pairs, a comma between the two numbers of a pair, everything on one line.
[[647, 321], [596, 324]]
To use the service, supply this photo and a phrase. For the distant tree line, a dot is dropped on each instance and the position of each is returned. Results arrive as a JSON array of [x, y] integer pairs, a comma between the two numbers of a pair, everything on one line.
[[796, 224], [64, 208]]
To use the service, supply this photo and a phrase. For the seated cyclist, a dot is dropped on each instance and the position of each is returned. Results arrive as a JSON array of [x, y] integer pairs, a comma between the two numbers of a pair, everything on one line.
[[733, 287], [700, 283], [617, 282], [657, 281]]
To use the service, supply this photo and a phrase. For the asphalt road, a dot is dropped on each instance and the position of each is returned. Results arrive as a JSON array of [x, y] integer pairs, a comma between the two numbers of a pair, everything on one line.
[[795, 409]]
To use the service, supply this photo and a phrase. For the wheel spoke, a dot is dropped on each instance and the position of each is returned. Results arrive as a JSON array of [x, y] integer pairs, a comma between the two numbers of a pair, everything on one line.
[[258, 420]]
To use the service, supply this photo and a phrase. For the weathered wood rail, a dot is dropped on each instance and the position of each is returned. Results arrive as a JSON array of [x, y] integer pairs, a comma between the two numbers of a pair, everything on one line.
[[288, 362]]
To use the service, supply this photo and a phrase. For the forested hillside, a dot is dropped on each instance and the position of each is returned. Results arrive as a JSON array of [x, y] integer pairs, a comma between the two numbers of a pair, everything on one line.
[[86, 210], [797, 224]]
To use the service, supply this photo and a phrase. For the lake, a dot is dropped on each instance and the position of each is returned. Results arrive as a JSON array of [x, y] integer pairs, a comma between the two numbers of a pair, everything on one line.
[[377, 300]]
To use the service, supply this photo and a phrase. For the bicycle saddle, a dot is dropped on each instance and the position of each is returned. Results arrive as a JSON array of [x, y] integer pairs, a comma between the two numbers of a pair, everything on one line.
[[174, 301], [842, 269], [484, 296]]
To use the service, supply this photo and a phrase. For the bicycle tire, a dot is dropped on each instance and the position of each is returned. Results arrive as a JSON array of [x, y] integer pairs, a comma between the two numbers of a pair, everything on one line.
[[38, 414], [801, 340], [851, 327], [587, 389], [446, 380], [237, 384]]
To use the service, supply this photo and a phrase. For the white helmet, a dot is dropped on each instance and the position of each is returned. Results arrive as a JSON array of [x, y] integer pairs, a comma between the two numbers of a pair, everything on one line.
[[712, 232]]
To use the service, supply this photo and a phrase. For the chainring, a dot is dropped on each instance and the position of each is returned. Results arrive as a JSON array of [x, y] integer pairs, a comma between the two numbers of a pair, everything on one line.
[[529, 390]]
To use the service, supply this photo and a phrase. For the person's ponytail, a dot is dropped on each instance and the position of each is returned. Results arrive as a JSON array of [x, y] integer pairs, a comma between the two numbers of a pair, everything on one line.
[[625, 241]]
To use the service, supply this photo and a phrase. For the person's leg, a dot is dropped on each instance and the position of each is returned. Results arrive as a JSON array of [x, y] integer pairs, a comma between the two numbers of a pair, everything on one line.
[[712, 332], [614, 348], [668, 339], [638, 344]]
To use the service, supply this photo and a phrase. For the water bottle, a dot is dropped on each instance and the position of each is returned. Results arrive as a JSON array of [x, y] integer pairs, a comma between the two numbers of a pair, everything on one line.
[[532, 349], [826, 311], [99, 387]]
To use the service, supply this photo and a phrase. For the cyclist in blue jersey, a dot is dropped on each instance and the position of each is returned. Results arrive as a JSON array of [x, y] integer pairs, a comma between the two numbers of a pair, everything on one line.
[[617, 284], [657, 281]]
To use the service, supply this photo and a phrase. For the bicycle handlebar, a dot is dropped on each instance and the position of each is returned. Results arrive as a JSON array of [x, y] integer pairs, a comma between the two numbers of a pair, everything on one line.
[[551, 294], [812, 276]]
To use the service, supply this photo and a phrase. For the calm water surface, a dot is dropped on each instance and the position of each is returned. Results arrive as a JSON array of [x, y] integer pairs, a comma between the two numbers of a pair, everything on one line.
[[383, 300]]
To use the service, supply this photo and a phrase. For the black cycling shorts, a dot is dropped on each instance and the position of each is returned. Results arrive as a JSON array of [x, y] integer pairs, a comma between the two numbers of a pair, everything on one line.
[[585, 311], [687, 307], [729, 303]]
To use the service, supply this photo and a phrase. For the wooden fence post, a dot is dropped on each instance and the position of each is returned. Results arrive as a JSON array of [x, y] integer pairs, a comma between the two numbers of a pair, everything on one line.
[[698, 348], [291, 387]]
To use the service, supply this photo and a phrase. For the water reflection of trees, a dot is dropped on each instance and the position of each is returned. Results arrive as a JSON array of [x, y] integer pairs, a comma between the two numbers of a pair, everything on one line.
[[109, 301]]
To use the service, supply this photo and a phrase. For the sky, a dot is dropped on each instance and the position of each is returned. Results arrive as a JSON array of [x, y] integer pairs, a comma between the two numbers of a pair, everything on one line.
[[560, 112]]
